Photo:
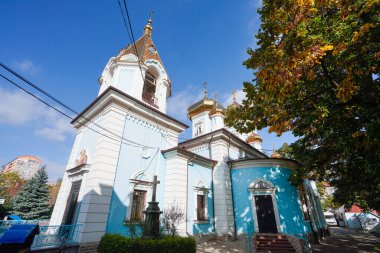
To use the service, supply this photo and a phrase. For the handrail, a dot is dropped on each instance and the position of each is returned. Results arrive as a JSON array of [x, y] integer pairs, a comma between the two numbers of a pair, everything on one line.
[[49, 236], [57, 236]]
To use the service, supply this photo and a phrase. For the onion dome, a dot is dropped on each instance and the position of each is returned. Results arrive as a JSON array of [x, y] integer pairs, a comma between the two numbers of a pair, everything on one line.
[[275, 154], [218, 109], [254, 137], [205, 104], [234, 103]]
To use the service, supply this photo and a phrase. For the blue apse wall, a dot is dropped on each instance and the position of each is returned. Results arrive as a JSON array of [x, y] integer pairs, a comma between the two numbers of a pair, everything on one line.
[[131, 162], [290, 214], [199, 174]]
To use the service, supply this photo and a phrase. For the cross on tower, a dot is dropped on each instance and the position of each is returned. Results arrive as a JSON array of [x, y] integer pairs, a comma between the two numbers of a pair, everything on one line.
[[151, 14], [205, 88], [234, 96]]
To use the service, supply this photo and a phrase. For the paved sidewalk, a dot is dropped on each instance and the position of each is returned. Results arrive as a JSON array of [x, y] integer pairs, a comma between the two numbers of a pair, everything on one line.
[[344, 240]]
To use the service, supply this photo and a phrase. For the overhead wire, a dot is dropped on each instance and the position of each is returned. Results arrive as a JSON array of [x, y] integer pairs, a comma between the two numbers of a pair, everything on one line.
[[133, 42], [63, 104], [59, 111]]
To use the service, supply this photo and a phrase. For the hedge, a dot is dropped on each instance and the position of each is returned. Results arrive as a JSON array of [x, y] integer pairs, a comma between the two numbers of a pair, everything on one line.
[[170, 244]]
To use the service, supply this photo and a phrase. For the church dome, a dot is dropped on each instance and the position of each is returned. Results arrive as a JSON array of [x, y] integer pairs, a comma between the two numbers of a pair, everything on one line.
[[275, 154], [218, 109], [254, 137], [205, 104]]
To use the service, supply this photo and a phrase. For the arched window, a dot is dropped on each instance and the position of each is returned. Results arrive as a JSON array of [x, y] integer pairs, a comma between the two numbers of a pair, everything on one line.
[[149, 89], [261, 185]]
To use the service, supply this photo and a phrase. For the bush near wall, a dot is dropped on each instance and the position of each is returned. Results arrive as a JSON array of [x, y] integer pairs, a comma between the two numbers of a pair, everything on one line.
[[111, 243]]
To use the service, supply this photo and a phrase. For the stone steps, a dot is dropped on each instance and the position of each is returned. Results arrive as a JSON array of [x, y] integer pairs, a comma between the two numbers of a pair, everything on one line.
[[273, 244]]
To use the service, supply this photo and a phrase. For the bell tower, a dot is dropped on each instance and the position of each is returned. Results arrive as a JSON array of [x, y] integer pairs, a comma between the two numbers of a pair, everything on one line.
[[138, 71]]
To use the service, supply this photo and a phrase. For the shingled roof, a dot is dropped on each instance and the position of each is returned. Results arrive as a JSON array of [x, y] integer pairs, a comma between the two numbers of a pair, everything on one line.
[[145, 49]]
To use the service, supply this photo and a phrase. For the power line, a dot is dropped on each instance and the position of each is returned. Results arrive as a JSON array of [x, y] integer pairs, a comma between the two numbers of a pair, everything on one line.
[[63, 104], [130, 33], [59, 111], [125, 22]]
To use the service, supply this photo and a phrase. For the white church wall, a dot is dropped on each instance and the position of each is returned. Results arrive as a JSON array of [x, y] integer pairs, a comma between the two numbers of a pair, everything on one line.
[[98, 187], [222, 189], [201, 120], [175, 187], [85, 140]]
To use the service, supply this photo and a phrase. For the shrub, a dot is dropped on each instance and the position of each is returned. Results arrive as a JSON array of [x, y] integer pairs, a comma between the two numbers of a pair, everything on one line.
[[111, 243]]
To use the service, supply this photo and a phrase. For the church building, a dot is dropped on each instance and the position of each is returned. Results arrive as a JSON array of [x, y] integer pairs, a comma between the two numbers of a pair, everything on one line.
[[220, 179]]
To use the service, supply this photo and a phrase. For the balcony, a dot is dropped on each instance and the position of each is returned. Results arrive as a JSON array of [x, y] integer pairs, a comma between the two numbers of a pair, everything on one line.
[[150, 99]]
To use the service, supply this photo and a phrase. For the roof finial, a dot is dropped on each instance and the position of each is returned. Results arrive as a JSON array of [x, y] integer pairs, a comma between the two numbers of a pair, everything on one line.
[[205, 89], [148, 28], [234, 96], [216, 99]]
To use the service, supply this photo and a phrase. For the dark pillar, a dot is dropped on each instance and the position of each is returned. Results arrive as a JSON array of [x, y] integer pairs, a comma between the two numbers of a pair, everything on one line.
[[152, 215]]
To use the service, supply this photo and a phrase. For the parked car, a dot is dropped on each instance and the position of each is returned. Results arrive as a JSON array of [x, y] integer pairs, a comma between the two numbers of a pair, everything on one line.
[[330, 219]]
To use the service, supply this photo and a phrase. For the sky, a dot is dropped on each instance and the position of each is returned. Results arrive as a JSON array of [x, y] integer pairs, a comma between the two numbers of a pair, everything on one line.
[[63, 47]]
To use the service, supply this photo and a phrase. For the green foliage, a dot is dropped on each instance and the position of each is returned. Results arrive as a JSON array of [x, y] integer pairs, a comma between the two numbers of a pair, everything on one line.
[[111, 243], [10, 184], [286, 151], [317, 75], [329, 203], [32, 202]]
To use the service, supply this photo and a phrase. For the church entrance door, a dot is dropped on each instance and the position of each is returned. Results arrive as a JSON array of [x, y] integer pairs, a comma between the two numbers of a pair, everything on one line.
[[265, 214], [71, 205]]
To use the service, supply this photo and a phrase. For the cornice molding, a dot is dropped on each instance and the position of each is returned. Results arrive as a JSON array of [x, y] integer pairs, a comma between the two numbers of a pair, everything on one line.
[[263, 163]]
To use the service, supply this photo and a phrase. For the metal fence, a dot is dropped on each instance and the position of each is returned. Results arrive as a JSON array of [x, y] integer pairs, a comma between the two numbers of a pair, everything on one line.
[[50, 236], [60, 235]]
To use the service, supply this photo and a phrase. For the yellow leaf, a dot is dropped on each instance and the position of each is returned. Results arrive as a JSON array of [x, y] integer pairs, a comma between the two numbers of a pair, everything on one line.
[[327, 48]]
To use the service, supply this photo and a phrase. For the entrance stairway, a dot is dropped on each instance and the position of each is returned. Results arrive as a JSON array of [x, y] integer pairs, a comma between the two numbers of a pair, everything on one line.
[[273, 243]]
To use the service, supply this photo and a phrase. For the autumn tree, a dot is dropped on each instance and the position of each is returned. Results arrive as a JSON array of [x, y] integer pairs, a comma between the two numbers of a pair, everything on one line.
[[10, 184], [32, 202], [316, 73]]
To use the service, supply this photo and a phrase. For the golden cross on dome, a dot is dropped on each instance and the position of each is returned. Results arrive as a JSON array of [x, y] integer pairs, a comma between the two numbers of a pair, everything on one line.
[[205, 88], [234, 96], [151, 14]]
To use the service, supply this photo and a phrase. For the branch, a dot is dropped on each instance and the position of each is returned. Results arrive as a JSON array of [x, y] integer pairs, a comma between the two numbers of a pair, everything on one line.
[[326, 74]]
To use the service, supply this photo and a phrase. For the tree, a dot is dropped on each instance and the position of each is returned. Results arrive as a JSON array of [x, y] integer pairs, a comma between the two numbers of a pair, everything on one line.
[[32, 202], [10, 184], [171, 218], [317, 75]]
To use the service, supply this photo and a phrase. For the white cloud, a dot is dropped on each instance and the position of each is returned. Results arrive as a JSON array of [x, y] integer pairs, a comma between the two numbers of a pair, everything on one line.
[[18, 108], [178, 104], [240, 95], [57, 131], [53, 169], [27, 66]]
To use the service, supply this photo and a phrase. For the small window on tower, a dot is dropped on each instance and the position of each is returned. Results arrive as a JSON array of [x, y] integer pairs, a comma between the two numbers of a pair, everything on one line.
[[152, 49], [149, 89], [198, 129]]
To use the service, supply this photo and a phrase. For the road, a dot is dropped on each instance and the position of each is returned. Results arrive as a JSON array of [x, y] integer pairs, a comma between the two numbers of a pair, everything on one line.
[[344, 240]]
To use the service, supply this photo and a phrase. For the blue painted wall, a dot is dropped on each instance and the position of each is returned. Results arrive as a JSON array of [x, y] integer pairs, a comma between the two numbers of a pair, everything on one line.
[[288, 202], [130, 162], [198, 173]]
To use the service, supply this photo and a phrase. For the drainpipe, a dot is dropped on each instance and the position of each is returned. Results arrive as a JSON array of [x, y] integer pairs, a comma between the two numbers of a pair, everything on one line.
[[213, 196], [187, 193], [232, 192]]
